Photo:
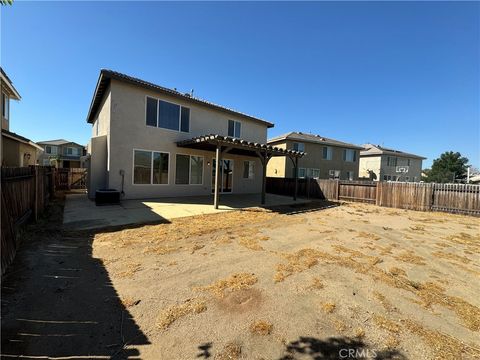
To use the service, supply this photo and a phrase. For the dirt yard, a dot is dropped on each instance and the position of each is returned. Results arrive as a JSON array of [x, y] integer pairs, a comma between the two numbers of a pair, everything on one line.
[[353, 281]]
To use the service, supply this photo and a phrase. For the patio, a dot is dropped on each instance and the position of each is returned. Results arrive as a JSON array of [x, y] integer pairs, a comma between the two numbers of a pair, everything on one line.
[[80, 213]]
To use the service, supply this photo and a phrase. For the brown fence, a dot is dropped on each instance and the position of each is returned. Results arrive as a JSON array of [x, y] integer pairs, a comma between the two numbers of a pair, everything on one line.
[[455, 198], [72, 178], [25, 194]]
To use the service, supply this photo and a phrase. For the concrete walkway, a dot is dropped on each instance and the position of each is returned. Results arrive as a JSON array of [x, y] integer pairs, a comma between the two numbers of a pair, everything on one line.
[[80, 213]]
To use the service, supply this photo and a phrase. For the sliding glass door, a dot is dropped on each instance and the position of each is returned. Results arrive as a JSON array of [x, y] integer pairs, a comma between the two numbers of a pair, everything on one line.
[[226, 175]]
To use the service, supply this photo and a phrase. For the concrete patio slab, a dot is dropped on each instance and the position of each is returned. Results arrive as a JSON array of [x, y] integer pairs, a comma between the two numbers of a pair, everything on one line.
[[80, 213]]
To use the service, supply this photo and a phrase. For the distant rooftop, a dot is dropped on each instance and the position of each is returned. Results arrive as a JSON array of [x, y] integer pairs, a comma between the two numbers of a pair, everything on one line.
[[370, 149], [57, 142], [312, 138], [106, 75]]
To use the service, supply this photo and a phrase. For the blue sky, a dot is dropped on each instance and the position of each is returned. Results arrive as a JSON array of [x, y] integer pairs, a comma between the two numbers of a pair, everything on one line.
[[405, 75]]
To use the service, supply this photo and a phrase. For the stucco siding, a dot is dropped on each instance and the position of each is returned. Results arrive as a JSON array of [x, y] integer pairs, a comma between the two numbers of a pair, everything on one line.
[[383, 171]]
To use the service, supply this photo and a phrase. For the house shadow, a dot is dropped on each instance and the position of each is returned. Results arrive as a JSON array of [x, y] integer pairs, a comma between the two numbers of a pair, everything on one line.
[[59, 301], [334, 348], [301, 208]]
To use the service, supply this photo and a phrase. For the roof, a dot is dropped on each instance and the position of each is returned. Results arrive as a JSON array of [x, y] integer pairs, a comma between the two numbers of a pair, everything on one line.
[[20, 138], [370, 149], [57, 142], [106, 75], [238, 146], [13, 92], [317, 139]]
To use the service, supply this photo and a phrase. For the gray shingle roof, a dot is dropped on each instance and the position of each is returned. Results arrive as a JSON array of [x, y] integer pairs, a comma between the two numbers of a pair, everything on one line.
[[57, 142], [370, 149], [299, 136], [106, 75]]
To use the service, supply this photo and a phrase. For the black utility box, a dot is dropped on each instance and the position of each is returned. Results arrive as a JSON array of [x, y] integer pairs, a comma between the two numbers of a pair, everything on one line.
[[107, 197]]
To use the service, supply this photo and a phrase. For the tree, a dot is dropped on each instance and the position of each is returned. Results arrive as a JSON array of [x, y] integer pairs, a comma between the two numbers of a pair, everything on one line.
[[449, 167], [6, 2]]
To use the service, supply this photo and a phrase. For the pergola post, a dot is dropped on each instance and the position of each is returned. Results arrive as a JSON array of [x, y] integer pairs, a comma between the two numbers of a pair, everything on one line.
[[296, 179], [217, 176], [264, 177]]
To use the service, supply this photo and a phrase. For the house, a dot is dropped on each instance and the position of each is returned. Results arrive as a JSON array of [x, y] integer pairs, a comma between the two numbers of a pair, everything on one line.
[[61, 153], [327, 158], [150, 141], [380, 163], [16, 150]]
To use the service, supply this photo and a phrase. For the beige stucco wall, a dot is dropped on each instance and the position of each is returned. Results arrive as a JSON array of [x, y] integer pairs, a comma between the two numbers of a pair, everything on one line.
[[128, 131], [97, 165], [13, 153], [314, 160], [378, 164], [277, 164]]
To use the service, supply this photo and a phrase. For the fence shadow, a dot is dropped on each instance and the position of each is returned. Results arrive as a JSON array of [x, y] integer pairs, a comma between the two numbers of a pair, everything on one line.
[[59, 301], [302, 208]]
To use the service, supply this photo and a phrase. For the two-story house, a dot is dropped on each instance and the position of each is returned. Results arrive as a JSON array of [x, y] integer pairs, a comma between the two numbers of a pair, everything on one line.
[[327, 158], [16, 150], [61, 153], [383, 164], [151, 141]]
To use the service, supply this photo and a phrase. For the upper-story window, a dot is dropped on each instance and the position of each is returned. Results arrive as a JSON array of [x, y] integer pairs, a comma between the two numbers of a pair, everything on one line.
[[71, 151], [299, 146], [234, 128], [327, 153], [391, 161], [349, 155], [166, 115], [51, 150], [408, 163], [5, 106]]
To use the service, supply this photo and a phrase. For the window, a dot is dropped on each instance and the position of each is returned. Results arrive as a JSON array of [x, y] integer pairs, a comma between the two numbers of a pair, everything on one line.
[[349, 155], [166, 115], [350, 175], [189, 170], [152, 111], [234, 128], [407, 178], [48, 149], [5, 106], [298, 146], [408, 162], [248, 169], [313, 173], [327, 153], [334, 174], [150, 167], [391, 161], [46, 162], [301, 172]]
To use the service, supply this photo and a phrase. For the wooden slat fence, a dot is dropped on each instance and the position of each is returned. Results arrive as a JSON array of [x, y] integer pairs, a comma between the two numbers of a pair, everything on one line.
[[71, 178], [25, 194], [454, 198]]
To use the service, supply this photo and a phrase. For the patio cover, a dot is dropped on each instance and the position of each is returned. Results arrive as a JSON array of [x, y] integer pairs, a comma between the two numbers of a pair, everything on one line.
[[226, 144]]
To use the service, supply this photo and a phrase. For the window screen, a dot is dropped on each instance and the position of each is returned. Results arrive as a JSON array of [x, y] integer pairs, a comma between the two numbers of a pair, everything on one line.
[[160, 168], [142, 167], [185, 120], [151, 111], [196, 170], [168, 115], [182, 169]]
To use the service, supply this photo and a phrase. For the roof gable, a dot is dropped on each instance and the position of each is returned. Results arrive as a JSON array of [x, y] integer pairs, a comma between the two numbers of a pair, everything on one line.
[[370, 149], [312, 138]]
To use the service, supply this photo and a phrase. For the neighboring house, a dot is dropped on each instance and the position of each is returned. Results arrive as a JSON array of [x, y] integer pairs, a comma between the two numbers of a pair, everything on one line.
[[326, 158], [380, 163], [151, 141], [16, 150], [61, 153]]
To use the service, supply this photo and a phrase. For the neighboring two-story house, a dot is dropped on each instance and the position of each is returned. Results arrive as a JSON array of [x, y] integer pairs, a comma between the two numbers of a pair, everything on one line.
[[383, 164], [61, 153], [151, 141], [327, 158], [16, 150]]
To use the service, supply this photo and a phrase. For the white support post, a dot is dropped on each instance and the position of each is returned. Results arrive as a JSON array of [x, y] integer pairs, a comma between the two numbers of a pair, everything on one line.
[[217, 176]]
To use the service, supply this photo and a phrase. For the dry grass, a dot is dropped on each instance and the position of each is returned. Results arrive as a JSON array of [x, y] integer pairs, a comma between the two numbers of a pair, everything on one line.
[[409, 256], [296, 263], [443, 346], [231, 351], [261, 327], [232, 283], [328, 307], [391, 342], [130, 270], [316, 284], [129, 302], [368, 235], [168, 316], [386, 324], [359, 333], [397, 271], [452, 257], [383, 300], [250, 243], [339, 325], [196, 247]]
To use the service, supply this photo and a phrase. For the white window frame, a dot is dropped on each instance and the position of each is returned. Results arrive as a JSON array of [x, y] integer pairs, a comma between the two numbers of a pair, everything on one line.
[[350, 151], [310, 172], [234, 127], [348, 175], [250, 162], [332, 174], [189, 170], [299, 145], [6, 108], [151, 167], [329, 153], [158, 113], [304, 172]]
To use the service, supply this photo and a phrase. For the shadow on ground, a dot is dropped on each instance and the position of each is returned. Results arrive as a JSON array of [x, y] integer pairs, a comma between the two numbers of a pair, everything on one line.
[[303, 207], [58, 301], [335, 348]]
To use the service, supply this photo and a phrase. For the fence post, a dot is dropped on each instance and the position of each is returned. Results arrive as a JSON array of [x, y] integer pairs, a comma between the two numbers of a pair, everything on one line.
[[337, 190], [35, 192]]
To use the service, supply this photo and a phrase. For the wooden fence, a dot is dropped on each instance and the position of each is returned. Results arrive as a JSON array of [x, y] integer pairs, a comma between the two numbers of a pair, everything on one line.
[[72, 178], [25, 194], [454, 198]]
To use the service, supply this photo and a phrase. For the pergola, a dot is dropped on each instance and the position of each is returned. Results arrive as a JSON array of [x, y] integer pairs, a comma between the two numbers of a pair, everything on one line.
[[226, 144]]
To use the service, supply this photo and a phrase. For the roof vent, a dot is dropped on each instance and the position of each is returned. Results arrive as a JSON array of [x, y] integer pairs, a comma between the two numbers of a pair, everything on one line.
[[300, 133], [188, 94]]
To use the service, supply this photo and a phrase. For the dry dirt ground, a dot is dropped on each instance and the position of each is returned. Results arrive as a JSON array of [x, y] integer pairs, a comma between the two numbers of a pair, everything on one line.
[[353, 281]]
